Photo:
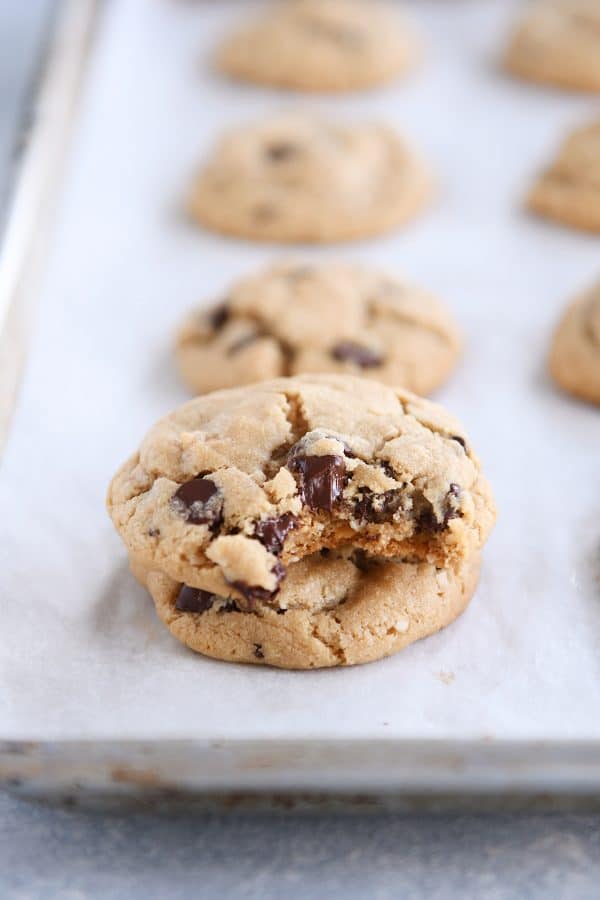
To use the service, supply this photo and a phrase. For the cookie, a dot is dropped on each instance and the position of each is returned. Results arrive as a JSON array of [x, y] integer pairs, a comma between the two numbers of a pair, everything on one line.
[[331, 611], [299, 178], [295, 318], [340, 45], [232, 488], [558, 42], [575, 354], [569, 191]]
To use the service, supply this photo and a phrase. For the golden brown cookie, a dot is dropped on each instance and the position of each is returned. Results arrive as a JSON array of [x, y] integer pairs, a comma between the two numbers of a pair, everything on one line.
[[337, 45], [558, 42], [575, 353], [331, 611], [297, 178], [569, 191], [234, 487], [334, 317]]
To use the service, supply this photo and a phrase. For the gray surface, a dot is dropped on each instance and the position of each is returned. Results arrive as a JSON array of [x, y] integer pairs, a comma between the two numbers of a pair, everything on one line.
[[54, 853], [49, 853]]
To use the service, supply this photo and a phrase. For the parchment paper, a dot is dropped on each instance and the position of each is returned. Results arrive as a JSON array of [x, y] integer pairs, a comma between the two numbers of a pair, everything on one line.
[[81, 652]]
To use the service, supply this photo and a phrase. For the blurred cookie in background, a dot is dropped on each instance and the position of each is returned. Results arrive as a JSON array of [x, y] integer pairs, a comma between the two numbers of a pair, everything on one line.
[[334, 317], [336, 45], [558, 42], [569, 190], [575, 353], [299, 178]]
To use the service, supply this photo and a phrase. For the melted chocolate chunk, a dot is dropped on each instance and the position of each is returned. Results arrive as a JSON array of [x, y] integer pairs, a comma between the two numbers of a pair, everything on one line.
[[243, 342], [322, 478], [258, 651], [426, 518], [363, 357], [154, 532], [219, 316], [199, 501], [273, 531], [252, 593], [378, 508], [281, 151], [281, 612], [459, 440], [194, 600]]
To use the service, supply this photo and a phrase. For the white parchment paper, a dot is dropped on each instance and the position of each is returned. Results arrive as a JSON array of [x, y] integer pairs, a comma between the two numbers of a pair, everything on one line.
[[81, 652]]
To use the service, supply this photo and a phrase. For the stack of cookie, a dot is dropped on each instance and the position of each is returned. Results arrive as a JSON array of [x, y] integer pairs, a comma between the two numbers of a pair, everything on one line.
[[328, 516], [303, 522]]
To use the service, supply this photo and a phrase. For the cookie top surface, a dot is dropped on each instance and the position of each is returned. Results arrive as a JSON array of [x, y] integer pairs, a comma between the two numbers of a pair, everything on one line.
[[575, 352], [569, 190], [329, 612], [234, 486], [558, 42], [314, 45], [295, 318], [300, 178]]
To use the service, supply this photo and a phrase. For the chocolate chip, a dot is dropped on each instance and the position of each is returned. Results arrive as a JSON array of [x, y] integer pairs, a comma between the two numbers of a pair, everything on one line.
[[281, 151], [243, 342], [264, 214], [252, 593], [194, 600], [281, 612], [378, 508], [219, 316], [363, 357], [339, 33], [199, 501], [154, 532], [322, 478], [459, 440], [273, 531], [425, 515], [258, 651]]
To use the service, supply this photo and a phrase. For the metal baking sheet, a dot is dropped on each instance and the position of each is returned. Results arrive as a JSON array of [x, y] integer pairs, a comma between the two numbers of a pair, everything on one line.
[[92, 686]]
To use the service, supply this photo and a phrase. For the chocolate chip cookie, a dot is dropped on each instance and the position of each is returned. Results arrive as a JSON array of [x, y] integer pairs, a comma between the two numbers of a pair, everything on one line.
[[337, 45], [569, 191], [575, 353], [234, 487], [295, 318], [332, 610], [558, 42], [302, 179]]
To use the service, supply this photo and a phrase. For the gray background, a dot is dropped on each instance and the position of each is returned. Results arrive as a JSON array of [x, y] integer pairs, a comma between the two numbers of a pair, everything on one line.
[[70, 853]]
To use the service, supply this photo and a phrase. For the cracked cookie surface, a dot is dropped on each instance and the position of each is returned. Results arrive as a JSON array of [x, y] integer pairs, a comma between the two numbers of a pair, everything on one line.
[[569, 191], [295, 318], [558, 42], [330, 612], [299, 178], [336, 45], [575, 354], [235, 486]]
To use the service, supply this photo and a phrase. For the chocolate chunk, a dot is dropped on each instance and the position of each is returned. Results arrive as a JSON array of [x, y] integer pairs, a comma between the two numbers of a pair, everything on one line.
[[252, 593], [459, 440], [154, 532], [281, 151], [200, 502], [194, 600], [264, 214], [243, 342], [363, 357], [273, 531], [425, 515], [378, 508], [258, 651], [322, 478], [219, 316], [281, 612]]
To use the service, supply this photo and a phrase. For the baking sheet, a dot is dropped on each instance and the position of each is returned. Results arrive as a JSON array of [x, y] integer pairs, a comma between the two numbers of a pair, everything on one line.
[[82, 655]]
